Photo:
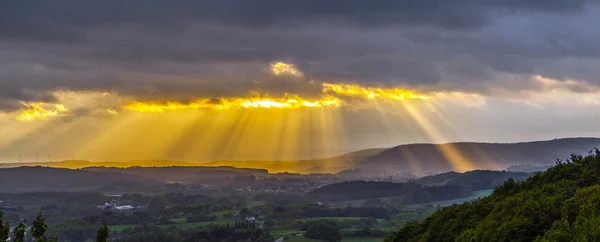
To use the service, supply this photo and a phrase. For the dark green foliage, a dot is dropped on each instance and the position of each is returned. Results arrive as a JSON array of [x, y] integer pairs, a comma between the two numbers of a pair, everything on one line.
[[164, 220], [308, 224], [446, 186], [560, 204], [39, 228], [102, 234], [200, 218], [19, 231], [362, 189], [368, 233], [240, 231], [323, 230], [4, 229], [245, 212]]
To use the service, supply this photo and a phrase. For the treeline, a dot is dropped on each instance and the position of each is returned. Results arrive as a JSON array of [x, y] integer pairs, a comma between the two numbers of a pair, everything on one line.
[[239, 231], [407, 193], [310, 210], [475, 180], [354, 190], [560, 204], [37, 232], [446, 186]]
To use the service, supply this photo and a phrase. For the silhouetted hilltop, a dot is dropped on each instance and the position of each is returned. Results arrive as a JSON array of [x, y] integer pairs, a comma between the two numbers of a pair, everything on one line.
[[428, 159]]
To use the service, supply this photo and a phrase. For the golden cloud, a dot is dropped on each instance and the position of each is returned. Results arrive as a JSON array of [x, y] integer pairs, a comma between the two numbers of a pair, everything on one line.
[[37, 111]]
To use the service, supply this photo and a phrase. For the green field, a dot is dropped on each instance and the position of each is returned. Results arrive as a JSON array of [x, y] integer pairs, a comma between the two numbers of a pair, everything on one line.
[[330, 218], [348, 239], [251, 204], [353, 239], [283, 233], [300, 239], [219, 214], [178, 223]]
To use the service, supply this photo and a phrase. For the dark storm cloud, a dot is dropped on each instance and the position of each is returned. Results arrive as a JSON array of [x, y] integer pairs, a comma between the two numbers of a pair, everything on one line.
[[54, 20], [184, 49]]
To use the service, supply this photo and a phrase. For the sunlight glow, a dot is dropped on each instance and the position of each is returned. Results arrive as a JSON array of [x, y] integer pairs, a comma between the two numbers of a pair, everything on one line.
[[282, 68], [397, 94], [287, 102], [459, 161], [37, 111]]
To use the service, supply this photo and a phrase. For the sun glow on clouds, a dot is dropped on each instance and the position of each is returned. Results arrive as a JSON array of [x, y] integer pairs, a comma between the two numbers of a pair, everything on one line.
[[286, 102], [332, 96], [398, 94], [37, 111], [282, 68]]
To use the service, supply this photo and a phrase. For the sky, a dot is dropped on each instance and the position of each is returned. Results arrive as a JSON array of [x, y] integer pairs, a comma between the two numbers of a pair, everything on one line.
[[278, 80]]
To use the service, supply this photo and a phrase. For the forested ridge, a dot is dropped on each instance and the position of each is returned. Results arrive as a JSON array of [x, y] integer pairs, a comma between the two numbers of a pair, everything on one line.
[[561, 204], [440, 187]]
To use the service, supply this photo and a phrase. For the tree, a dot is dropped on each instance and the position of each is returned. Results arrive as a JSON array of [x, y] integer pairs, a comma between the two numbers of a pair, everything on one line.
[[39, 228], [158, 202], [19, 231], [323, 231], [102, 234], [245, 212], [4, 229]]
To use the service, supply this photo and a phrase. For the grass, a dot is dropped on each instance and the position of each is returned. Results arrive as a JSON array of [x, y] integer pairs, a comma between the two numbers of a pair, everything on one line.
[[330, 218], [346, 239], [220, 214], [283, 233], [355, 239], [300, 239], [180, 223], [251, 204]]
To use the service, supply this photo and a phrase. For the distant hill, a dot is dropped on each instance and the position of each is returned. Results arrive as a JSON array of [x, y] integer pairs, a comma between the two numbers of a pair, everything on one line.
[[429, 159], [475, 180], [353, 190], [45, 179], [76, 164], [182, 174], [560, 204], [327, 165], [451, 185]]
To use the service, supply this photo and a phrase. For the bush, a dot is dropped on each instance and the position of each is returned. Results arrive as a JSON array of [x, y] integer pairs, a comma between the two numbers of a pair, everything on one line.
[[323, 230]]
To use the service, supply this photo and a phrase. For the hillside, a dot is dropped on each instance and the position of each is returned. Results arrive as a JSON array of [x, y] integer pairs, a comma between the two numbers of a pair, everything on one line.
[[440, 187], [182, 174], [45, 179], [560, 204], [475, 180], [429, 159]]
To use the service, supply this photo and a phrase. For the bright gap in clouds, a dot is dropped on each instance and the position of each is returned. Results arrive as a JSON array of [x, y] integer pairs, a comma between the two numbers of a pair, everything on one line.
[[108, 126]]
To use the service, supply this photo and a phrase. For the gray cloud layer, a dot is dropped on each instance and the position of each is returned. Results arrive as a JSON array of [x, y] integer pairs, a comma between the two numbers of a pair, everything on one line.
[[182, 49]]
